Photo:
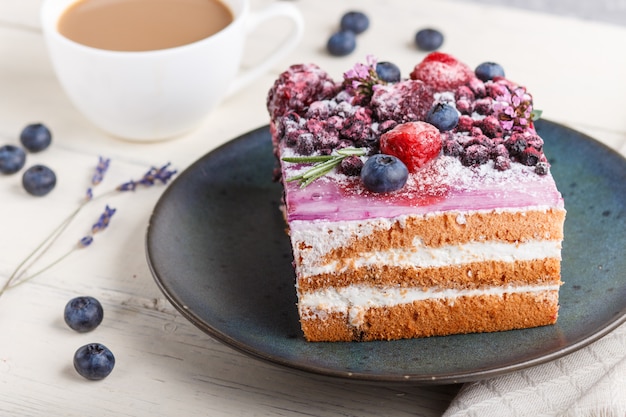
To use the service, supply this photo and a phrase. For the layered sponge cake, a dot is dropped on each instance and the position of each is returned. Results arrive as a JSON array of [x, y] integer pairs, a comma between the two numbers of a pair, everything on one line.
[[417, 206]]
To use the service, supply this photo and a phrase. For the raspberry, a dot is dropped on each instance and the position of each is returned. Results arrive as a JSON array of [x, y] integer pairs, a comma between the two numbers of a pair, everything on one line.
[[452, 147], [483, 106], [499, 150], [495, 90], [502, 163], [345, 143], [516, 143], [334, 122], [542, 168], [403, 102], [442, 72], [326, 140], [414, 143], [291, 136], [357, 126], [477, 87], [386, 126], [530, 156], [490, 126], [465, 123], [315, 126], [298, 87], [351, 165], [305, 145], [475, 155], [479, 139], [464, 92], [476, 131], [318, 110], [464, 106], [535, 141]]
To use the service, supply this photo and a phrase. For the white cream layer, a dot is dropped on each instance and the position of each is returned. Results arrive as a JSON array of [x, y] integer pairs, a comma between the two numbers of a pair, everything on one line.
[[422, 256], [324, 236], [355, 300]]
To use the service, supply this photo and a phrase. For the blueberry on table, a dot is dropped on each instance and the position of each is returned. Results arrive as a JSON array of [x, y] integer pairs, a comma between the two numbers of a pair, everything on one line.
[[488, 71], [355, 21], [83, 314], [94, 361], [12, 159], [443, 116], [384, 173], [429, 39], [39, 180], [341, 43], [36, 137], [388, 72]]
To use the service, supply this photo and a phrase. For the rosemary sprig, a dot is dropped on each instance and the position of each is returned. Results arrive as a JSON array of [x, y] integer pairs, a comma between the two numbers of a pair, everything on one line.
[[323, 164]]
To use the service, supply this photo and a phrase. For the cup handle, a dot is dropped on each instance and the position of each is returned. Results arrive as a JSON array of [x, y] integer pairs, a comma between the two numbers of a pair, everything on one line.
[[291, 41]]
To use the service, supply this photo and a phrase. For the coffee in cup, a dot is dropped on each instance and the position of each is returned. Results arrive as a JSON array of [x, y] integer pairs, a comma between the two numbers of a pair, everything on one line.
[[142, 25], [155, 89]]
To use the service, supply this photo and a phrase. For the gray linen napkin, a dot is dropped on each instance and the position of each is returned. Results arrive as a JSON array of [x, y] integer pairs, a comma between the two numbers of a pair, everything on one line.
[[590, 382]]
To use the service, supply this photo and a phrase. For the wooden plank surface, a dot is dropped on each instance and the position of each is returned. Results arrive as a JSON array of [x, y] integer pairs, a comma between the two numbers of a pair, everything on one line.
[[165, 365]]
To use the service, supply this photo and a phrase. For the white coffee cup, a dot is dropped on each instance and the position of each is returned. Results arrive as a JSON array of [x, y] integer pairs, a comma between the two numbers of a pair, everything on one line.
[[161, 94]]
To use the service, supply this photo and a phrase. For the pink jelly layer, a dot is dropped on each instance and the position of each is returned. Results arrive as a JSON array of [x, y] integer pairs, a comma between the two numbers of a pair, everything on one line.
[[444, 185]]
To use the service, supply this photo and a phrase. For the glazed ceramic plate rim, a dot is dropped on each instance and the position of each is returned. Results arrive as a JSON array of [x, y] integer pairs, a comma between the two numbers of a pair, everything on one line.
[[285, 349]]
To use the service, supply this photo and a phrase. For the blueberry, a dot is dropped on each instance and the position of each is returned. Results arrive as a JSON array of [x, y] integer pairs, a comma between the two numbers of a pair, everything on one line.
[[388, 72], [355, 22], [384, 173], [341, 43], [94, 361], [443, 116], [39, 180], [83, 314], [488, 71], [36, 137], [12, 159], [428, 39]]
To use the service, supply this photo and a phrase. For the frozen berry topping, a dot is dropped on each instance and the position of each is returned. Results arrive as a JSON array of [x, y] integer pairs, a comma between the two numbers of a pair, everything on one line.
[[444, 108]]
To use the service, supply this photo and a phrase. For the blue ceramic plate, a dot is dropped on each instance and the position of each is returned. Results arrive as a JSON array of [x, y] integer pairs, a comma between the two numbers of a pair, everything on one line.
[[217, 247]]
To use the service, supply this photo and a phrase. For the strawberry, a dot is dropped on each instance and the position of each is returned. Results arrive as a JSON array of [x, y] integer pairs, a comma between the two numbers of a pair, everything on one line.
[[442, 72], [414, 143]]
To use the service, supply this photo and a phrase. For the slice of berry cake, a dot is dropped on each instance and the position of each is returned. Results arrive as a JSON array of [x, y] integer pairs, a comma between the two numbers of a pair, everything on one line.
[[416, 207]]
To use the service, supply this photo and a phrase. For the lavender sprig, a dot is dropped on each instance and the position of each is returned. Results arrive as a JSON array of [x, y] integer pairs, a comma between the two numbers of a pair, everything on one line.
[[99, 226], [98, 176], [154, 176]]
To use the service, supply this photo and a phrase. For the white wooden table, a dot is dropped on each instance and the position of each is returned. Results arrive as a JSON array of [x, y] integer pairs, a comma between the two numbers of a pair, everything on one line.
[[165, 365]]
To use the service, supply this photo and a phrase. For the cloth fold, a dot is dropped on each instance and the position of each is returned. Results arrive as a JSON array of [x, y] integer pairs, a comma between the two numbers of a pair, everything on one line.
[[590, 382]]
